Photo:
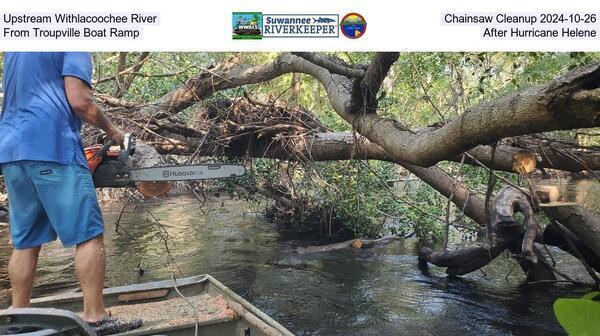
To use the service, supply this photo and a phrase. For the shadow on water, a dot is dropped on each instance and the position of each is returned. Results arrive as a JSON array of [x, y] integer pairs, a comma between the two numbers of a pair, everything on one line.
[[377, 291]]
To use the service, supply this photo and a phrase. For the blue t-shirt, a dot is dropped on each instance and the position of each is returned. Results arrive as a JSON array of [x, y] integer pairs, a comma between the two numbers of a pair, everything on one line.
[[37, 122]]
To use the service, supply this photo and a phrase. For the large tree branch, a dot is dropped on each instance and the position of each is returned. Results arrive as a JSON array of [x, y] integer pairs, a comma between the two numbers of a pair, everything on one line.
[[364, 90], [225, 75], [566, 103], [339, 146], [538, 109], [334, 66], [124, 85], [552, 155]]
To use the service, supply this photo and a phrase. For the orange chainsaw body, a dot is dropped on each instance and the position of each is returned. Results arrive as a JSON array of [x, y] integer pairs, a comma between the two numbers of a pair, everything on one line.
[[92, 157], [113, 169]]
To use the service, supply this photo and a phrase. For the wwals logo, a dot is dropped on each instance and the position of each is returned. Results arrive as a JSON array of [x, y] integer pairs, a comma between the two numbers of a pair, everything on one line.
[[247, 25]]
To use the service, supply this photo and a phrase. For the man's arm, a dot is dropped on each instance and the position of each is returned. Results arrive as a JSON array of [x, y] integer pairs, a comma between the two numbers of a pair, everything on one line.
[[82, 102]]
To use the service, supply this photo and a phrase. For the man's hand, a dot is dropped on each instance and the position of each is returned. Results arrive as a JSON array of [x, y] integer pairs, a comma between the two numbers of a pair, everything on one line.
[[117, 136]]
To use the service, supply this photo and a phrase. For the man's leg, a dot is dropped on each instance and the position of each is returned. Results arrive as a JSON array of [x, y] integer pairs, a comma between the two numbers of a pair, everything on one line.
[[90, 267], [69, 199], [29, 230], [21, 270]]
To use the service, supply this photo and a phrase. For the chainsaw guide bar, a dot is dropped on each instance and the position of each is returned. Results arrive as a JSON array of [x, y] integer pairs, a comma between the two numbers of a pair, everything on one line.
[[186, 172], [113, 168]]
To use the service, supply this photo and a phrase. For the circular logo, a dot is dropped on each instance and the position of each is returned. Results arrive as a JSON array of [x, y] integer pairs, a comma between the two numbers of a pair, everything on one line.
[[353, 25], [166, 173]]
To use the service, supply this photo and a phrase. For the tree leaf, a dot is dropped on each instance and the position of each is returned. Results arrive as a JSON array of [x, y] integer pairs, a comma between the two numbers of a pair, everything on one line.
[[590, 296], [578, 316]]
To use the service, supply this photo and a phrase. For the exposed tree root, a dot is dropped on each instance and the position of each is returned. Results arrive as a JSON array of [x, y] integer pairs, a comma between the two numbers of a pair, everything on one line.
[[509, 234]]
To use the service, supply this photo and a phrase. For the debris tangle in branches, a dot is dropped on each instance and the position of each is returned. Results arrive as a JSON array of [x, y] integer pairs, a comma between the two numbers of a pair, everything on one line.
[[242, 127]]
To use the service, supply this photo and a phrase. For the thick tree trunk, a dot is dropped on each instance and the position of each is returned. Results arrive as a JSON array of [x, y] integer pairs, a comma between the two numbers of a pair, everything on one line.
[[580, 222], [343, 146]]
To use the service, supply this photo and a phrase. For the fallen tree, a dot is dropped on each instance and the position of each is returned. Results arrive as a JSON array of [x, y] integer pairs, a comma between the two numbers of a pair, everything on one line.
[[488, 134], [571, 101], [245, 128], [565, 103], [519, 239]]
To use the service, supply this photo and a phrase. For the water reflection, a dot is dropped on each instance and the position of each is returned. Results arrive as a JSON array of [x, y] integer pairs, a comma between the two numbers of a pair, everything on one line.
[[377, 291]]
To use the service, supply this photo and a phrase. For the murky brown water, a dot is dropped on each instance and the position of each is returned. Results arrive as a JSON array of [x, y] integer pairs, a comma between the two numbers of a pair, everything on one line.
[[378, 291]]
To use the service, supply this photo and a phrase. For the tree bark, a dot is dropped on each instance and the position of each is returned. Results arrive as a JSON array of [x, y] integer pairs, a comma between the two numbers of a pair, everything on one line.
[[580, 222], [509, 234]]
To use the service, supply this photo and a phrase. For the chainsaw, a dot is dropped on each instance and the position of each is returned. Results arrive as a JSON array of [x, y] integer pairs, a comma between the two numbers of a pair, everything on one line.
[[111, 166]]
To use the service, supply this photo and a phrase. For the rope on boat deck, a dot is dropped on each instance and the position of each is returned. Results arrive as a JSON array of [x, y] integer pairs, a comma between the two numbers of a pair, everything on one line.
[[188, 302]]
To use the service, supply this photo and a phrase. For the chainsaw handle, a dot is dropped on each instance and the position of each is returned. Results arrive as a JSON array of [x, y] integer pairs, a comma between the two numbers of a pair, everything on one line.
[[128, 148], [100, 153]]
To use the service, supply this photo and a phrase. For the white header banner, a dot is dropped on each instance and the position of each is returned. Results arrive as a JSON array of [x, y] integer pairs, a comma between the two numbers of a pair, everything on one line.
[[274, 25]]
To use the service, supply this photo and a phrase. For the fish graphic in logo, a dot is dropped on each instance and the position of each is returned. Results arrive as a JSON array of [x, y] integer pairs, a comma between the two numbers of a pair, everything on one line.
[[353, 25], [323, 20]]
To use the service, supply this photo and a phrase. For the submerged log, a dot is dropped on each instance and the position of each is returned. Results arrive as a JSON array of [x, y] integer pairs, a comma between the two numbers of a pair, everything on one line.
[[463, 261], [352, 243], [509, 235]]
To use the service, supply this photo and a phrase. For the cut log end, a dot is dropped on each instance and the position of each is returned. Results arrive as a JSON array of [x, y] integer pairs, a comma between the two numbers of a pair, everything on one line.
[[524, 162], [547, 194], [357, 244], [154, 189]]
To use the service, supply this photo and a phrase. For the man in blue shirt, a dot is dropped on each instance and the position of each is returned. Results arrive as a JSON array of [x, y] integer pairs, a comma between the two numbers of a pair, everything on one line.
[[50, 190]]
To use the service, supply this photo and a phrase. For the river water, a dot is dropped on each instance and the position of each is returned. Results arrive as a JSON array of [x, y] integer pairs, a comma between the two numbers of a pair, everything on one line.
[[376, 291]]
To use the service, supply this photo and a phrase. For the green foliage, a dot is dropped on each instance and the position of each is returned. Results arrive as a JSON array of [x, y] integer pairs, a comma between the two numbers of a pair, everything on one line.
[[184, 65], [358, 196], [579, 316]]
